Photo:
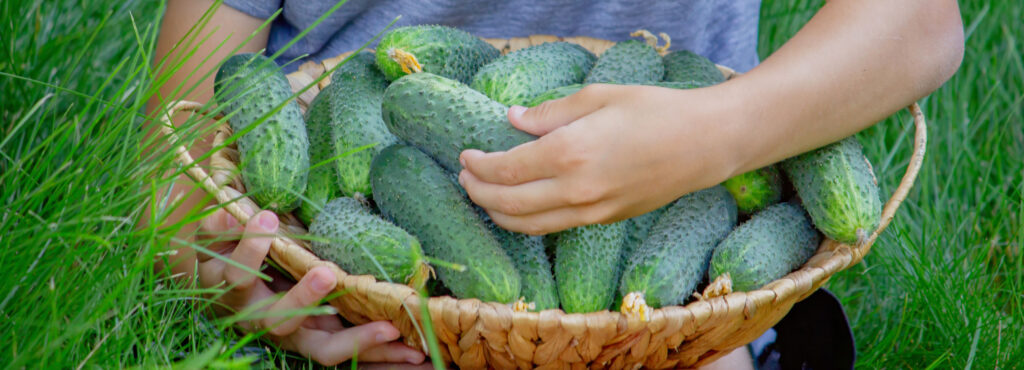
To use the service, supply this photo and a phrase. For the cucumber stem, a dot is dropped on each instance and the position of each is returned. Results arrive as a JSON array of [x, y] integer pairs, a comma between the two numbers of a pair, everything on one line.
[[405, 60], [634, 306]]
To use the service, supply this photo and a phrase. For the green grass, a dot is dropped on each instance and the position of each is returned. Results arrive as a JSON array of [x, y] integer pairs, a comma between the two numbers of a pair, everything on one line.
[[943, 286]]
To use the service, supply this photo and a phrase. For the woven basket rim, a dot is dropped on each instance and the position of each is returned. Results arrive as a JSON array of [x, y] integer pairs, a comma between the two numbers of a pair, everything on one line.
[[717, 324]]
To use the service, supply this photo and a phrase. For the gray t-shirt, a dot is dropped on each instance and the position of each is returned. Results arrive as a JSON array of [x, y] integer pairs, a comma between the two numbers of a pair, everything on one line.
[[724, 31]]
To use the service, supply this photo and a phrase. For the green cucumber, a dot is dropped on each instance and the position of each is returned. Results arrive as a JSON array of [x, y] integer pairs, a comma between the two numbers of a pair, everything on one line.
[[416, 193], [628, 62], [838, 189], [772, 243], [275, 150], [685, 65], [587, 261], [517, 78], [673, 259], [441, 50], [443, 117], [528, 255], [362, 243], [755, 190]]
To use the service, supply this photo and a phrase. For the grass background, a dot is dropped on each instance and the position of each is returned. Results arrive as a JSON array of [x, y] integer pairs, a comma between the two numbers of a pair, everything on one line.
[[943, 287]]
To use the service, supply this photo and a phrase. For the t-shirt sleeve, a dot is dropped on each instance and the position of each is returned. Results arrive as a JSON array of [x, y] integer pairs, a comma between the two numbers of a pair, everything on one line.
[[261, 9]]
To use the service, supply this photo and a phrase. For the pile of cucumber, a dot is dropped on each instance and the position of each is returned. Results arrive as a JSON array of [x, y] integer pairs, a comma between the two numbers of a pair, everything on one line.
[[371, 169]]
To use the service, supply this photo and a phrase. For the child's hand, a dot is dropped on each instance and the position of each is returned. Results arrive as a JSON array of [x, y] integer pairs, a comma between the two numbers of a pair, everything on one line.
[[321, 338], [606, 153]]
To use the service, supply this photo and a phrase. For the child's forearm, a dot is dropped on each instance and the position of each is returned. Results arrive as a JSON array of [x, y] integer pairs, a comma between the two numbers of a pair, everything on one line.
[[187, 58], [853, 64]]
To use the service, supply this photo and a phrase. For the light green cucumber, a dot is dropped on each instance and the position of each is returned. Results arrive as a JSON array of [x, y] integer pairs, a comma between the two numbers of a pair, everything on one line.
[[273, 146], [587, 266], [361, 243], [755, 190], [440, 50], [416, 193], [673, 259], [517, 78], [443, 117], [838, 189], [772, 243]]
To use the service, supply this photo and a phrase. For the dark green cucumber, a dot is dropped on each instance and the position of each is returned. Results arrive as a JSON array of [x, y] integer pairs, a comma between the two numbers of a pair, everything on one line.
[[528, 255], [344, 117], [685, 65], [362, 243], [349, 111], [772, 243], [587, 260], [273, 146], [838, 189], [637, 230], [441, 50], [674, 257], [755, 190], [628, 62], [517, 78], [443, 117], [416, 193]]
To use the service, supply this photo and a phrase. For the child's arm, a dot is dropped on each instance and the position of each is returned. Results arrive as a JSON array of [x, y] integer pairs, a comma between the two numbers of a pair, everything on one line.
[[322, 337], [613, 152]]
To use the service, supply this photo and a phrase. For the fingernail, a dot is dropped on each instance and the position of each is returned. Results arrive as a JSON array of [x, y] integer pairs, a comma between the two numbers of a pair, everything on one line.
[[516, 111], [462, 179], [462, 161], [268, 221], [382, 338], [321, 284], [231, 222]]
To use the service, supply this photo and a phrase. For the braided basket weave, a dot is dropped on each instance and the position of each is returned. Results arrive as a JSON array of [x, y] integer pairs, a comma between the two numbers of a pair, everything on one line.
[[475, 334]]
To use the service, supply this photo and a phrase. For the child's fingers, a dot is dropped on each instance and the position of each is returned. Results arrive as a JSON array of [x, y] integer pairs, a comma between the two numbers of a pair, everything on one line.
[[333, 348], [306, 293], [251, 250], [218, 232], [516, 200], [553, 114], [524, 163], [554, 220], [391, 352]]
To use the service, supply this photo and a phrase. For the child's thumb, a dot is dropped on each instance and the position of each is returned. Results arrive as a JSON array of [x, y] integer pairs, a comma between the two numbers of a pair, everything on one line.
[[553, 114]]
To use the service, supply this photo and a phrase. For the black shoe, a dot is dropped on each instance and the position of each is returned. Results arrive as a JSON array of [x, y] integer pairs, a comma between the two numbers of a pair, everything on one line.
[[815, 334]]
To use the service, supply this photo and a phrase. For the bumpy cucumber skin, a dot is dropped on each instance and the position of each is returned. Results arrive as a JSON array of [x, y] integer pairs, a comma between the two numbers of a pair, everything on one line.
[[772, 243], [347, 117], [755, 190], [344, 116], [416, 193], [685, 65], [275, 152], [441, 50], [535, 273], [838, 189], [673, 259], [637, 230], [587, 261], [443, 117], [358, 241], [628, 62], [517, 78]]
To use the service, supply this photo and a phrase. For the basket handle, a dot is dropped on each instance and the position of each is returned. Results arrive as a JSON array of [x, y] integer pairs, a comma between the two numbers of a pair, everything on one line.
[[900, 194]]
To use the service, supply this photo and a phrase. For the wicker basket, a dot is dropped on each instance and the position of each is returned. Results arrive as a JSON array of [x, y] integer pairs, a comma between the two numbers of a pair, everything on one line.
[[475, 334]]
